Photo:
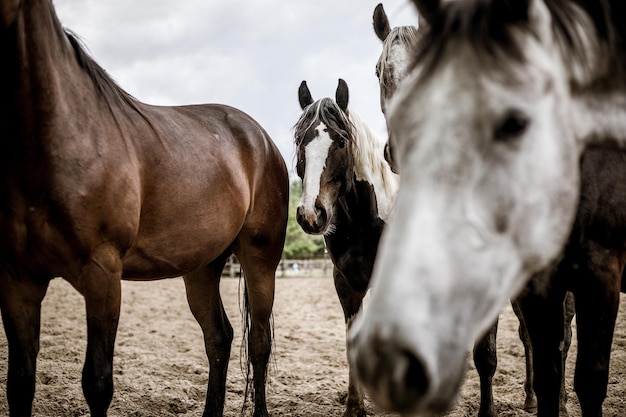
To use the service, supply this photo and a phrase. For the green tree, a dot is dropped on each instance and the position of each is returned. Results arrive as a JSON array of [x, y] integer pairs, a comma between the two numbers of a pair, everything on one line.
[[299, 245]]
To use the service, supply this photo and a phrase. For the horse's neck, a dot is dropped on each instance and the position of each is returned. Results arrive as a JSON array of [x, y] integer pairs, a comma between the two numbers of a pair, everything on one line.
[[38, 62], [357, 220], [41, 52], [370, 166]]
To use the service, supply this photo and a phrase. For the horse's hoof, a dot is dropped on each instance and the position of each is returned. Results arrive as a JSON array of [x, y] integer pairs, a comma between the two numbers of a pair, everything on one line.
[[530, 405], [491, 412], [355, 412]]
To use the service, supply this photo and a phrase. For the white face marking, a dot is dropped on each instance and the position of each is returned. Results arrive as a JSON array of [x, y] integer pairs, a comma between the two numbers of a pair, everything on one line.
[[316, 153]]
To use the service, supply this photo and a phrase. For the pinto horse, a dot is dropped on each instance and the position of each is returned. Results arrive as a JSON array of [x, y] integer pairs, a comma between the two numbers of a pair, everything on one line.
[[348, 193], [96, 187], [487, 135], [392, 69]]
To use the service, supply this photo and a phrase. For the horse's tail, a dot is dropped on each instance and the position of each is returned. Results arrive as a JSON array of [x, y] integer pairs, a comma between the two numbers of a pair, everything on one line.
[[244, 357]]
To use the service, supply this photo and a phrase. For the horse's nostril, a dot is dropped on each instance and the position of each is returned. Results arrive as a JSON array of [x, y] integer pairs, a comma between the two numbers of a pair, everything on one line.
[[408, 382], [390, 368], [321, 213], [415, 379], [299, 212]]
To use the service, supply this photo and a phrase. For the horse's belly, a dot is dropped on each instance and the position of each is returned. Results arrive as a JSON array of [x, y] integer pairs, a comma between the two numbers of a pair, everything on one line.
[[157, 264], [182, 246]]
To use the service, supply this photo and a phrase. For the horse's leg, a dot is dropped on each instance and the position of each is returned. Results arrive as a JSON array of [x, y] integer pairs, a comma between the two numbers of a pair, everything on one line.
[[350, 299], [100, 284], [543, 315], [205, 302], [20, 302], [259, 263], [569, 311], [597, 302], [486, 362], [530, 402]]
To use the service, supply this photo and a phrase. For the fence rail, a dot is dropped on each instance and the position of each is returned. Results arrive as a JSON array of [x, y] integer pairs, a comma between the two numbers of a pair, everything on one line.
[[322, 267]]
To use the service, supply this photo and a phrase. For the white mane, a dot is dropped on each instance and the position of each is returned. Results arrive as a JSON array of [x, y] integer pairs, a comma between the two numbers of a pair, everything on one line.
[[370, 165]]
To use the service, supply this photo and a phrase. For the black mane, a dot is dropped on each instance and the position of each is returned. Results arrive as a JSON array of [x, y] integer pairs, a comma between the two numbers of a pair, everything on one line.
[[101, 79]]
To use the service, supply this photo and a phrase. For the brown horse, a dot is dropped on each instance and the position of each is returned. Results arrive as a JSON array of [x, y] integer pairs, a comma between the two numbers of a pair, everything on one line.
[[96, 187]]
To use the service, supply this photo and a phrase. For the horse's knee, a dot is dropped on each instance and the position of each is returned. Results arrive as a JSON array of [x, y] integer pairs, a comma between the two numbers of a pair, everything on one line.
[[485, 353], [218, 345], [260, 340]]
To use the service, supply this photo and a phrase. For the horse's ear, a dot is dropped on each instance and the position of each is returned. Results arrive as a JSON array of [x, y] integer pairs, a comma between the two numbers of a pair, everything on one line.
[[304, 95], [381, 22], [428, 9], [539, 15], [341, 96]]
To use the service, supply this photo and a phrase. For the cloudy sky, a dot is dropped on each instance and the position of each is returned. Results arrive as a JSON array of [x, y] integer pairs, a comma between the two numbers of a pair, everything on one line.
[[250, 54]]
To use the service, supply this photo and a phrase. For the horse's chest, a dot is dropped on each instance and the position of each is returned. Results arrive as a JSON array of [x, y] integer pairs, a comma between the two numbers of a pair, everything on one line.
[[354, 243]]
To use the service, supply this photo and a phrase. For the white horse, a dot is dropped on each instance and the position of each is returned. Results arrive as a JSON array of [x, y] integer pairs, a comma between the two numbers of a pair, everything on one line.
[[392, 69], [487, 133]]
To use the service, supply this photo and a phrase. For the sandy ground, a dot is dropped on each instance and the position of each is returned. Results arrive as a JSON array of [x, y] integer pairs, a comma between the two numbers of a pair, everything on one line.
[[161, 369]]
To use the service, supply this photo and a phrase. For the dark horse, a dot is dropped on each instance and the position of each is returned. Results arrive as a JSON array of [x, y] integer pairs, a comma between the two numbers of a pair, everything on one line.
[[592, 268], [96, 187], [348, 193]]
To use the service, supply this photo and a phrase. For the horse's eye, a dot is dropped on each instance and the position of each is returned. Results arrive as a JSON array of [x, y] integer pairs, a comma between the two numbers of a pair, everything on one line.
[[512, 127], [342, 143]]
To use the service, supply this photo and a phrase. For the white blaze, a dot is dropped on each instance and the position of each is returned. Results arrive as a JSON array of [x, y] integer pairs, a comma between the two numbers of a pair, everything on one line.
[[316, 153]]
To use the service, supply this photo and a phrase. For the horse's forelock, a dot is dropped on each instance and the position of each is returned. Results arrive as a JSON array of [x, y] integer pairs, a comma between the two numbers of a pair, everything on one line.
[[325, 111]]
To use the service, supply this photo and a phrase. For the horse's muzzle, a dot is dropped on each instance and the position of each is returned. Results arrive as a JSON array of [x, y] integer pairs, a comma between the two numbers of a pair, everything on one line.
[[393, 376], [390, 367], [314, 222]]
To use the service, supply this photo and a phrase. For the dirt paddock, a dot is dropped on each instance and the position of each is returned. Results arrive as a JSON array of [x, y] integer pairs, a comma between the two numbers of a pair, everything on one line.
[[160, 367]]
